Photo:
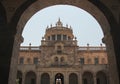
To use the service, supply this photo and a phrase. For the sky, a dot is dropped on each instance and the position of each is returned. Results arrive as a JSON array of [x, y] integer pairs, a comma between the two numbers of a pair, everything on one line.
[[85, 26]]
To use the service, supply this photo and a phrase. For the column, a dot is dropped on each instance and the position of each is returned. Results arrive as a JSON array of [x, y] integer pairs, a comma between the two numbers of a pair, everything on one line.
[[80, 77], [23, 78], [67, 38], [50, 38], [113, 73], [52, 78], [38, 78], [66, 78], [94, 78], [14, 59], [62, 37], [55, 36]]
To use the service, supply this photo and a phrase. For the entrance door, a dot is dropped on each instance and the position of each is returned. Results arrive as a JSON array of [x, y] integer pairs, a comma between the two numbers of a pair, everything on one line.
[[59, 78]]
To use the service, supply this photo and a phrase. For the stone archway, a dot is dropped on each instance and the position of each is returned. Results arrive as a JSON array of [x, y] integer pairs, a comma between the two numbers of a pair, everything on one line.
[[85, 5], [45, 78], [30, 78], [59, 78], [101, 78], [87, 78], [73, 78]]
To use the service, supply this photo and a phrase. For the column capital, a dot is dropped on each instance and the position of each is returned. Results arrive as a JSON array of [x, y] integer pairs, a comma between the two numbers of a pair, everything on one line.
[[106, 38], [18, 38]]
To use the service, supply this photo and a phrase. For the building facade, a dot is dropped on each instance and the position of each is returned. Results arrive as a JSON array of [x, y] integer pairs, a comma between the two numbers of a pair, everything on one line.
[[59, 60]]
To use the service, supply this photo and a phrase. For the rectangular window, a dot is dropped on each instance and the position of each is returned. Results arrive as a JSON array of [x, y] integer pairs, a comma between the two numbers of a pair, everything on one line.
[[21, 60], [59, 52], [35, 60], [59, 37], [96, 61], [64, 37], [53, 37], [81, 60]]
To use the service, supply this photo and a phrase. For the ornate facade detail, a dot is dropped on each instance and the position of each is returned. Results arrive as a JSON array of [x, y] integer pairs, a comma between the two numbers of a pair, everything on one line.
[[59, 59]]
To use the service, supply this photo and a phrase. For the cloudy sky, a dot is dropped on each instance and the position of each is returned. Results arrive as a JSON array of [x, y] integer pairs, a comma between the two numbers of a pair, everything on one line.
[[85, 27]]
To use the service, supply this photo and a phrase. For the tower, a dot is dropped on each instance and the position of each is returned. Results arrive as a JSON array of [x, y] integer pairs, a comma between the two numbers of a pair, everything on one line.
[[60, 44]]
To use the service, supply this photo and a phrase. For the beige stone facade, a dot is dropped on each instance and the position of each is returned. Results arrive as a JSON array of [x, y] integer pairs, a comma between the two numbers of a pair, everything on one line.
[[59, 60]]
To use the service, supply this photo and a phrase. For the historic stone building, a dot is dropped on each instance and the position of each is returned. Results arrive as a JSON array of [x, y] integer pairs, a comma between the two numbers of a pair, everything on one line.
[[59, 60], [14, 14]]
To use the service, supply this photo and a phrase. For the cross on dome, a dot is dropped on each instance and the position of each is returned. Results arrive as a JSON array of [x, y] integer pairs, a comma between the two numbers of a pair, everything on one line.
[[59, 23]]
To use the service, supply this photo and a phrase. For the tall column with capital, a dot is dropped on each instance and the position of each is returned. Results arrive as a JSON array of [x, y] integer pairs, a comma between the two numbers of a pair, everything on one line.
[[113, 73], [14, 59]]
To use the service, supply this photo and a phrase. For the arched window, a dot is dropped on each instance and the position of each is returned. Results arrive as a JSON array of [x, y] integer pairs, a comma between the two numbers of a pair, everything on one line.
[[73, 78], [59, 78], [62, 59], [56, 59], [59, 47], [30, 78], [87, 78], [101, 78], [45, 78]]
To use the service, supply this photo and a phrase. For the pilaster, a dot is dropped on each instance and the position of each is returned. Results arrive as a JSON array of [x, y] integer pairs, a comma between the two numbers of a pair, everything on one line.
[[38, 78], [113, 73], [94, 78], [14, 60], [52, 78], [66, 78], [80, 77], [23, 78]]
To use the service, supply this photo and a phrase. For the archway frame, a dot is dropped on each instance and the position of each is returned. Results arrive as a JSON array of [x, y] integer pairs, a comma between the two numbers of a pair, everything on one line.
[[106, 75], [33, 73], [85, 5]]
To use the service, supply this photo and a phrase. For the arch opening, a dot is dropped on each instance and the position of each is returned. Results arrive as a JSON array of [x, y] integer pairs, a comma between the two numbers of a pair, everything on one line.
[[81, 17], [102, 20], [45, 78], [59, 78], [73, 78], [87, 78], [30, 78], [101, 78]]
